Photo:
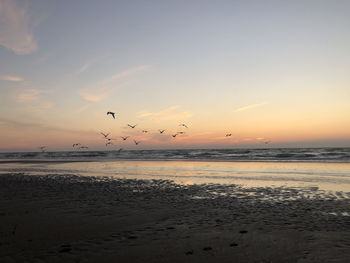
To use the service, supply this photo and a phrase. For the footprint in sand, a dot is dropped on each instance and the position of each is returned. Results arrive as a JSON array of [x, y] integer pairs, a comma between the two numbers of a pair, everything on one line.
[[65, 248]]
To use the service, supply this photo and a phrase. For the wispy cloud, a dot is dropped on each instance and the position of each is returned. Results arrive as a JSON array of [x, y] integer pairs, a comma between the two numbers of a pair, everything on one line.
[[11, 78], [15, 31], [83, 68], [33, 98], [252, 106], [94, 97], [20, 125], [82, 108], [28, 95], [107, 86], [166, 114]]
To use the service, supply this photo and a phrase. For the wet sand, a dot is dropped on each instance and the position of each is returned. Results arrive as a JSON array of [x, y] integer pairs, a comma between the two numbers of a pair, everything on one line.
[[50, 218]]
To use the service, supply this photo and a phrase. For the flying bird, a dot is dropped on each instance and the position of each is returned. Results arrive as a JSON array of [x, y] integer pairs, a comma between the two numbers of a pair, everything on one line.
[[42, 148], [111, 113], [105, 135], [228, 134], [124, 138], [161, 131], [180, 132], [108, 143], [174, 135], [136, 142], [132, 126], [144, 131], [76, 144], [184, 125]]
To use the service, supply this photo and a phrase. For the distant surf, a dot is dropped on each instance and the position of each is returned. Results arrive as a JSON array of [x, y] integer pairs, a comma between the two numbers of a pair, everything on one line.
[[268, 154]]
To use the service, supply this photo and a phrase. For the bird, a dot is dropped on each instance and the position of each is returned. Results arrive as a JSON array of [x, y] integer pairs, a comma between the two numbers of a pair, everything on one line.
[[184, 125], [161, 131], [144, 131], [174, 135], [124, 138], [136, 142], [228, 134], [108, 143], [105, 135], [111, 113], [132, 126], [76, 144], [180, 132], [42, 148]]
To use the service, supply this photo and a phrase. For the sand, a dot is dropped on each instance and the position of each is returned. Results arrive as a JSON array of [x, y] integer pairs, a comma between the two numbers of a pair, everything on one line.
[[92, 219]]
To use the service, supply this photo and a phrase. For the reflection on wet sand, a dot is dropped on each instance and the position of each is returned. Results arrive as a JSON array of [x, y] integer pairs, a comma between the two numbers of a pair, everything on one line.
[[334, 177]]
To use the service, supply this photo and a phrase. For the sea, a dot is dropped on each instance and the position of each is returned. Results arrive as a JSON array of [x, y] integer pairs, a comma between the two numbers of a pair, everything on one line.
[[326, 169]]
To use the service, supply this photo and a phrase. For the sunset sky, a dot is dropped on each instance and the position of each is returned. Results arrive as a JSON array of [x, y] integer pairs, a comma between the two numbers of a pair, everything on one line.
[[262, 70]]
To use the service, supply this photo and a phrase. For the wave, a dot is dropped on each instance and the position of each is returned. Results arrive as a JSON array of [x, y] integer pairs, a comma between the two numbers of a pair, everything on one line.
[[282, 154]]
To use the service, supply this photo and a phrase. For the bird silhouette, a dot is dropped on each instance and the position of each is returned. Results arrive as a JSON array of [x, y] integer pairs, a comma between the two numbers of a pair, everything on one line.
[[124, 138], [111, 113], [136, 142], [132, 126], [108, 143], [144, 131], [228, 134], [76, 144], [161, 131], [104, 134], [42, 148], [180, 132], [184, 125], [174, 135]]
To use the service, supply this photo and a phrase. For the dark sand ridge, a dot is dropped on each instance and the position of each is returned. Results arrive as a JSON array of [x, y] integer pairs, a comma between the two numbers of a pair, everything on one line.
[[57, 218]]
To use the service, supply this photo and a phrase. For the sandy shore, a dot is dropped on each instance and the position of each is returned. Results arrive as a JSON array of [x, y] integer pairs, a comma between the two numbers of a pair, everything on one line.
[[85, 219]]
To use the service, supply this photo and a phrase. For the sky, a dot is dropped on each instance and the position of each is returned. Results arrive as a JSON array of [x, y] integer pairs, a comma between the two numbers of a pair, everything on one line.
[[261, 70]]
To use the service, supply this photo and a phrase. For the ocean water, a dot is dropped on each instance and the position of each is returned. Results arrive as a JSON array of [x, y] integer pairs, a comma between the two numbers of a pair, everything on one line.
[[325, 169], [268, 154]]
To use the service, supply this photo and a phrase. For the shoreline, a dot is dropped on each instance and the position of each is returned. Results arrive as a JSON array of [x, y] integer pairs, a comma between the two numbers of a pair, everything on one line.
[[171, 160], [71, 218]]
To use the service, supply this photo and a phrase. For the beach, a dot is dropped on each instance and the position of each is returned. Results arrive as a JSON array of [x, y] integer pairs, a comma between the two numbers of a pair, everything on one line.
[[74, 217]]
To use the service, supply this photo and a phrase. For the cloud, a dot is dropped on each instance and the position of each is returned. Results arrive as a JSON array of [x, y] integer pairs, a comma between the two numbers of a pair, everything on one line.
[[20, 125], [94, 97], [102, 89], [15, 32], [82, 108], [166, 114], [11, 78], [83, 68], [33, 98], [125, 73], [28, 95], [250, 107]]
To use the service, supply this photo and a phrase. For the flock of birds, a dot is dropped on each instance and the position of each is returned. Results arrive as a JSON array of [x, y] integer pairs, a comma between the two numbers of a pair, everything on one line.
[[108, 140]]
